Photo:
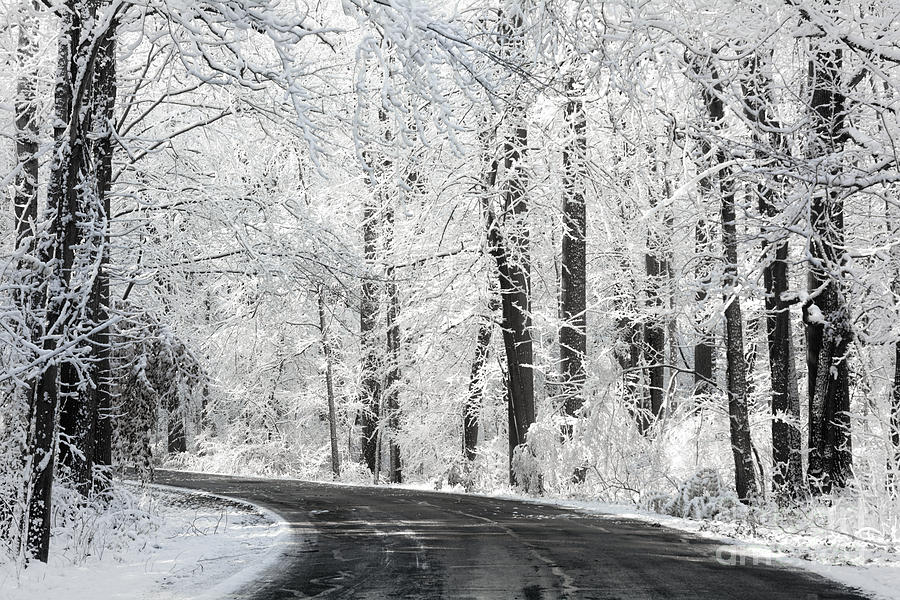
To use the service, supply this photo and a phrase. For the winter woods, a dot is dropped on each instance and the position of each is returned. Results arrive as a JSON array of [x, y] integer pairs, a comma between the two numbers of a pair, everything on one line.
[[585, 248]]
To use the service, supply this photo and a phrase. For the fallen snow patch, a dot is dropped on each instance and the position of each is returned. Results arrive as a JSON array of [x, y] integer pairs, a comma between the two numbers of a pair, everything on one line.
[[201, 546]]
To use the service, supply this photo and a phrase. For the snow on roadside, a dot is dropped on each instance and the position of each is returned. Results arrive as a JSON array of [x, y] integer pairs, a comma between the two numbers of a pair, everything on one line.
[[200, 546]]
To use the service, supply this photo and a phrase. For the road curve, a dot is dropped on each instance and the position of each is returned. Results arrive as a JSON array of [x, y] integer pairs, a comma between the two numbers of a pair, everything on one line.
[[379, 543]]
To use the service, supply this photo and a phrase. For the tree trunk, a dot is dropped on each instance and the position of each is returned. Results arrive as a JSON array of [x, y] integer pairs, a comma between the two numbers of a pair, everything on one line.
[[895, 411], [736, 366], [510, 248], [392, 377], [370, 307], [27, 128], [827, 318], [83, 387], [786, 442], [704, 350], [104, 122], [655, 333], [329, 384], [573, 289], [472, 408], [371, 363], [510, 252], [64, 208], [474, 400]]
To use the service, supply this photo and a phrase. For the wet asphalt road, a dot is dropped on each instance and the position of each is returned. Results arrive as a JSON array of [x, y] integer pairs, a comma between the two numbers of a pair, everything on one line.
[[367, 543]]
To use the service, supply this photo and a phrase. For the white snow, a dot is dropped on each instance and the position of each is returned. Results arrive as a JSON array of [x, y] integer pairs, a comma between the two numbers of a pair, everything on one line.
[[202, 548]]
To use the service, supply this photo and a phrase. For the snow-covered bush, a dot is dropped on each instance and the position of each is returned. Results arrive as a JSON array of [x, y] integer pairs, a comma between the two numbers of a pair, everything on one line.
[[704, 495], [111, 520], [270, 458]]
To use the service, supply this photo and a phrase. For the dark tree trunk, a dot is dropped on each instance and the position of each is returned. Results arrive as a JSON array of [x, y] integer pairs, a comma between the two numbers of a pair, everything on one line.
[[370, 305], [513, 265], [486, 188], [371, 363], [509, 245], [329, 384], [472, 408], [83, 389], [736, 366], [655, 335], [104, 122], [786, 440], [658, 271], [827, 318], [704, 350], [64, 208], [828, 332], [573, 289], [895, 411], [392, 376]]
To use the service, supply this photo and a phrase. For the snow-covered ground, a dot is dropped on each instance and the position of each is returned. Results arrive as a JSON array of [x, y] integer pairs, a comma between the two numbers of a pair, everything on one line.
[[194, 546]]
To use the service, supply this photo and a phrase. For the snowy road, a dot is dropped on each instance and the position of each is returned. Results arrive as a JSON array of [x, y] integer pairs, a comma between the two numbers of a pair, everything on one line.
[[367, 543]]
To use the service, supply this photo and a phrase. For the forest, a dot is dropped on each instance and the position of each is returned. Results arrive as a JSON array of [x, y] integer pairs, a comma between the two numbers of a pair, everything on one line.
[[618, 250]]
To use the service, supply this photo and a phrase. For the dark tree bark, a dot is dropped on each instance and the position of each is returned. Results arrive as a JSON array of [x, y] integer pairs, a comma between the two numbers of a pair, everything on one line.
[[329, 383], [895, 409], [392, 376], [370, 305], [573, 288], [514, 277], [704, 350], [485, 189], [475, 398], [786, 440], [736, 366], [827, 318], [82, 389], [371, 359], [658, 270], [65, 211], [654, 330], [104, 123], [510, 248]]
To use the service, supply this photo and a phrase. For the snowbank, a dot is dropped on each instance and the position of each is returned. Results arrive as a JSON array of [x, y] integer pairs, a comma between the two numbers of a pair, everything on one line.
[[199, 546]]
